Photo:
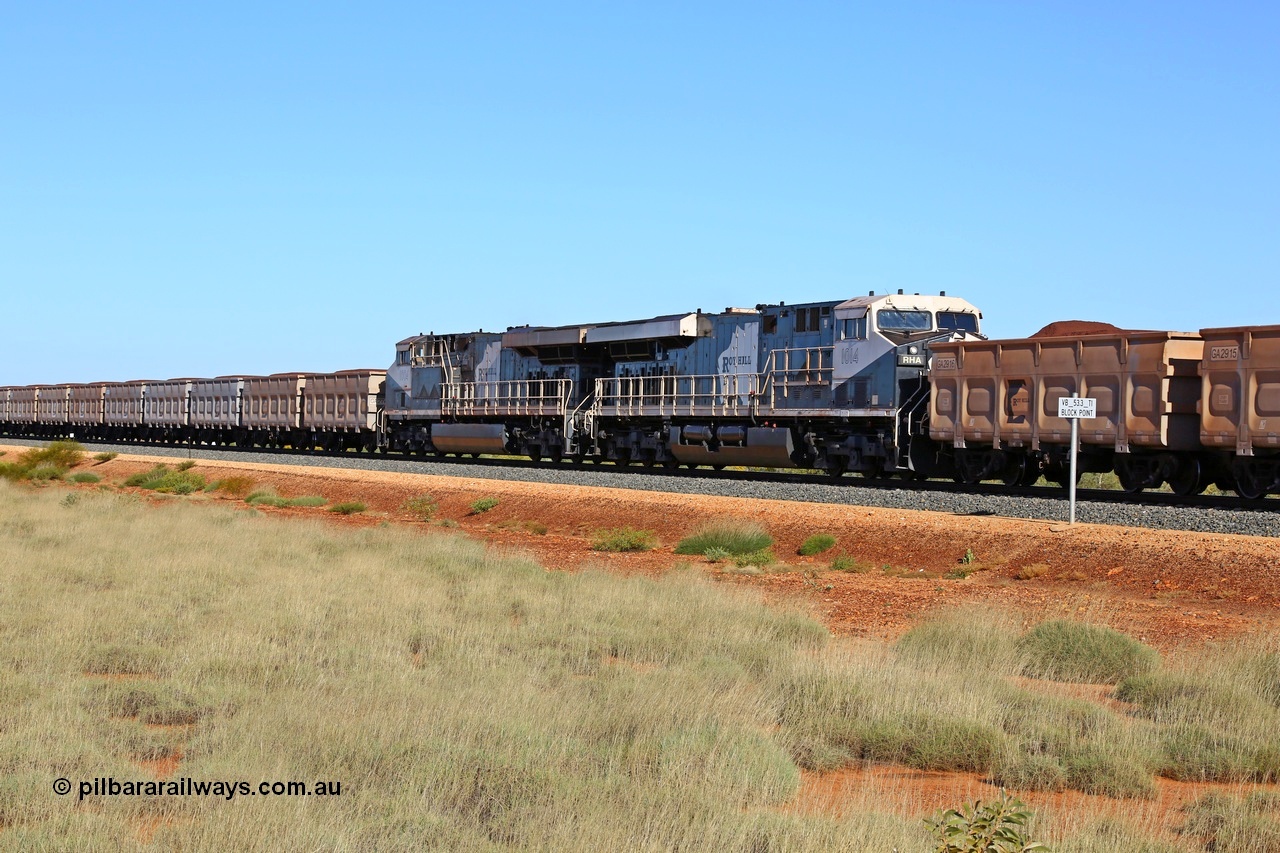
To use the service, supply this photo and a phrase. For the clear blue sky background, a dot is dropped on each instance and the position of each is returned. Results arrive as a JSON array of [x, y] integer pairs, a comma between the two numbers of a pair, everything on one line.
[[192, 189]]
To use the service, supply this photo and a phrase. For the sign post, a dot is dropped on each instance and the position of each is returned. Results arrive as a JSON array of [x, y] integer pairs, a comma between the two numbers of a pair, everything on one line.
[[1076, 408]]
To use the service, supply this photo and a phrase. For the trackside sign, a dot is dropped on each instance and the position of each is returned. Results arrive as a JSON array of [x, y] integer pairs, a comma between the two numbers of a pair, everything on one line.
[[1077, 407]]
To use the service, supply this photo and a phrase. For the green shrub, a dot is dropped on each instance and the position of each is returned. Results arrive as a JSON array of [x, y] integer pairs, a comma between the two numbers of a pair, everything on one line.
[[1076, 651], [12, 471], [84, 477], [162, 479], [142, 477], [999, 826], [424, 507], [348, 508], [186, 465], [716, 555], [234, 486], [758, 559], [624, 539], [736, 537], [816, 544], [105, 456], [45, 471], [846, 563], [483, 505], [57, 454]]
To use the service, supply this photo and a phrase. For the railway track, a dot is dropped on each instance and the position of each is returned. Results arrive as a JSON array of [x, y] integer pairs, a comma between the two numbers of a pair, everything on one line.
[[1165, 510]]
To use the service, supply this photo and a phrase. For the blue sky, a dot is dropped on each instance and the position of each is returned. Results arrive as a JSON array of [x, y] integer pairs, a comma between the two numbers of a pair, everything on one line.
[[196, 189]]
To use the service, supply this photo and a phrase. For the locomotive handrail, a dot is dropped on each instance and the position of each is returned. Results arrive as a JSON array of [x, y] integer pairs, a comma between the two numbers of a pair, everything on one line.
[[798, 368], [536, 397], [716, 394]]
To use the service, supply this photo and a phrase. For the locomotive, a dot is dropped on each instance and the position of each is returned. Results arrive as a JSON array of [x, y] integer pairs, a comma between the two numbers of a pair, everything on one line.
[[840, 386], [883, 384]]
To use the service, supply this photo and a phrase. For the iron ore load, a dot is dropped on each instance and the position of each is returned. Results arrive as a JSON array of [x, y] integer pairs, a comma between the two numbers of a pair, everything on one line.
[[884, 385]]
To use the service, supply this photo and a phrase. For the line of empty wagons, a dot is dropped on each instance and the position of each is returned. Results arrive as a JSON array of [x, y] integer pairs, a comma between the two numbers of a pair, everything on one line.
[[334, 411]]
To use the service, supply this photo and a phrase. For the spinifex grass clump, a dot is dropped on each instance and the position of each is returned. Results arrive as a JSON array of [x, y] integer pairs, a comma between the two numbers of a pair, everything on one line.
[[270, 498], [1250, 824], [58, 454], [734, 537], [51, 462], [483, 505], [348, 507], [624, 539], [1217, 716], [423, 507], [236, 486], [162, 479], [1077, 651], [816, 544]]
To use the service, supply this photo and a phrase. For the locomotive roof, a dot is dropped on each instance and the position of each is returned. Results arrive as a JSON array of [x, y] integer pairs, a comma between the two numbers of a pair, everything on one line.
[[909, 302]]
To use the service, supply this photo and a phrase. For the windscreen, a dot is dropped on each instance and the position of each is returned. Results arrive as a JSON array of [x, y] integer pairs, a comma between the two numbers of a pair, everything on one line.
[[893, 320], [960, 321]]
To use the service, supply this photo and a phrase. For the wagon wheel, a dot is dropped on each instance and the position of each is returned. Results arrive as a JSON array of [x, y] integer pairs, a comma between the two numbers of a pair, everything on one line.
[[1248, 486], [1188, 479], [1128, 479], [1015, 473]]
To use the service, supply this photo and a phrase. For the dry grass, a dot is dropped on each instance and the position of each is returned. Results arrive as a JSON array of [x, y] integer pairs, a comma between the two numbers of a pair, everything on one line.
[[469, 700]]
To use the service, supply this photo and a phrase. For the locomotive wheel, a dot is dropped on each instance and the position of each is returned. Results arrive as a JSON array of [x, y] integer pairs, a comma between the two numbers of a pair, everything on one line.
[[1188, 479]]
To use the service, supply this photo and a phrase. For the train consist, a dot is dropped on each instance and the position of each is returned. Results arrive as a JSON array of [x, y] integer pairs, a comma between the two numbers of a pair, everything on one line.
[[881, 384]]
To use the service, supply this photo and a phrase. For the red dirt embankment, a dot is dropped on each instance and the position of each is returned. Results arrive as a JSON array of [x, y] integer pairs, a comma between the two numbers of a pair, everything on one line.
[[1169, 588]]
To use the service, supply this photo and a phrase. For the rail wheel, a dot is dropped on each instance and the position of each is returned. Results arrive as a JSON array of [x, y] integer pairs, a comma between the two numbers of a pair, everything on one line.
[[1188, 478], [1015, 471], [1247, 485], [1129, 479]]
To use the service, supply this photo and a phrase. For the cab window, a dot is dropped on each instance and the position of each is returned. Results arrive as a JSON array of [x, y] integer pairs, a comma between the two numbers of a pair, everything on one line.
[[959, 321], [853, 328], [904, 321]]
